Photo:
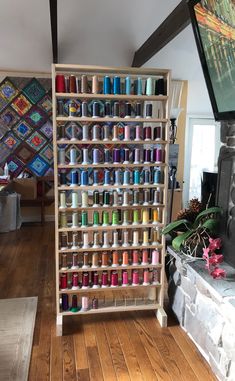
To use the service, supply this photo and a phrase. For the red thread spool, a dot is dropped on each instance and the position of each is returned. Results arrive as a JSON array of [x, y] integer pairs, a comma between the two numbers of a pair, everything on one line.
[[104, 279], [63, 281], [72, 84], [95, 279], [125, 281], [75, 281], [145, 257], [114, 279], [60, 83], [135, 257], [147, 133], [85, 280], [135, 278]]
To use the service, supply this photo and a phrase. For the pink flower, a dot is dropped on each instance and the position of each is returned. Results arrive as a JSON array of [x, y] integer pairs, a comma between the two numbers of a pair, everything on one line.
[[215, 259], [206, 257], [218, 273], [214, 244]]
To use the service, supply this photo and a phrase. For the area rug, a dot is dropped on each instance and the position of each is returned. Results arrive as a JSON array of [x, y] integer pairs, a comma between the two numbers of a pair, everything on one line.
[[17, 319]]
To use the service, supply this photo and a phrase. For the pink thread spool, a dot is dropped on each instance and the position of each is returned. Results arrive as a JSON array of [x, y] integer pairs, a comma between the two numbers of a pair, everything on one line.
[[146, 277], [85, 280], [155, 276], [125, 281], [85, 303], [135, 257], [127, 132], [135, 278], [104, 279], [75, 281], [114, 279], [137, 133], [145, 257], [63, 281], [155, 257]]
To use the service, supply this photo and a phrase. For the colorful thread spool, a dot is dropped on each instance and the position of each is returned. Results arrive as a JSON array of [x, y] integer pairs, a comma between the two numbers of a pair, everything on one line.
[[115, 218], [74, 220], [136, 217], [95, 303], [62, 200], [96, 132], [96, 218], [72, 109], [127, 133], [107, 109], [116, 85], [65, 302], [135, 278], [136, 156], [61, 154], [84, 84], [85, 132], [127, 110], [74, 308], [63, 241], [85, 199], [74, 261], [135, 258], [115, 259], [96, 242], [127, 86], [74, 178], [135, 238], [146, 197], [73, 156], [145, 257], [84, 178], [105, 218], [136, 177], [145, 216], [148, 110], [74, 199], [85, 303], [107, 156], [137, 133], [75, 244], [95, 85], [106, 240], [63, 220], [95, 177], [96, 198], [126, 156], [84, 109], [115, 239], [114, 279], [106, 198], [63, 281], [147, 133], [125, 281], [145, 238], [149, 86], [146, 278], [157, 133], [105, 132], [116, 156], [155, 216], [85, 280], [84, 219], [125, 258], [125, 239], [85, 261], [95, 259], [126, 177], [96, 280], [115, 133], [116, 110], [125, 217], [138, 110], [104, 279], [155, 257], [64, 265], [60, 83], [136, 200], [85, 156], [107, 85], [75, 281]]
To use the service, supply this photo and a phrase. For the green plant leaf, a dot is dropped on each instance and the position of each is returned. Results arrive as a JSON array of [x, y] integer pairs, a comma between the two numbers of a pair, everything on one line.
[[179, 240], [205, 213], [211, 224], [176, 225]]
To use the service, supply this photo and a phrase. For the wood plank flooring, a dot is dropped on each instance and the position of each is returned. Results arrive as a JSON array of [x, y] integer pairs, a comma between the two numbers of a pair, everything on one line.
[[115, 347]]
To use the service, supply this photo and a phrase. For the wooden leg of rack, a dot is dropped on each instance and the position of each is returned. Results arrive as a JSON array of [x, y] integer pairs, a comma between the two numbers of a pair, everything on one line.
[[161, 317], [59, 325]]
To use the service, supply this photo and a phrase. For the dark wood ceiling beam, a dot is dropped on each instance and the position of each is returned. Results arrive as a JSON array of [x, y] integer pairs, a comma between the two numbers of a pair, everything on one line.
[[169, 29], [54, 29]]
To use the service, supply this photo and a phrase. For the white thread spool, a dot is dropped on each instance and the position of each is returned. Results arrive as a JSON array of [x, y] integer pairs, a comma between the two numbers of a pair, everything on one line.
[[85, 303], [75, 220], [125, 198], [74, 199], [96, 242], [85, 240], [85, 156], [62, 156], [105, 240], [135, 238], [115, 239], [115, 198], [62, 200], [125, 239]]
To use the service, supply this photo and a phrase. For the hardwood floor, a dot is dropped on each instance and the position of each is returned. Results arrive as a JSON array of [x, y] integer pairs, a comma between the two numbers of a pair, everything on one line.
[[124, 346]]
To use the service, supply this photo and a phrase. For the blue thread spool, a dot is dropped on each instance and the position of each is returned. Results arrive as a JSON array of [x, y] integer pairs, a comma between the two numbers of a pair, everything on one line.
[[136, 176], [146, 176], [106, 177], [84, 178], [107, 109], [117, 177], [107, 85], [157, 176], [116, 85], [127, 85], [96, 156], [95, 177], [74, 178], [126, 177], [84, 109], [139, 86], [63, 180], [106, 156], [95, 110]]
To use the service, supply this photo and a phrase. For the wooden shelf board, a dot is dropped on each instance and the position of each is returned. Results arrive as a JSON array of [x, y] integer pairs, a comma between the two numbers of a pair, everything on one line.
[[110, 142], [132, 97], [119, 248], [112, 120], [116, 207], [108, 187], [109, 288], [110, 227], [141, 307], [110, 268], [101, 165]]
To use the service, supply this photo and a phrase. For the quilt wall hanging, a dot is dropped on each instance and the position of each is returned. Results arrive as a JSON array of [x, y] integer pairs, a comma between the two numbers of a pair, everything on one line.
[[26, 126]]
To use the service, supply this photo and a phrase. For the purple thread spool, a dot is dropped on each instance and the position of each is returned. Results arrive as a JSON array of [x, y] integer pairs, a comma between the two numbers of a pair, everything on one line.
[[116, 156], [157, 133], [65, 302], [147, 155], [147, 133]]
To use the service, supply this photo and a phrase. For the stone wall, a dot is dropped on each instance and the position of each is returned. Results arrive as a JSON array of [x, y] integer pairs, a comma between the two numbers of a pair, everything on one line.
[[205, 309]]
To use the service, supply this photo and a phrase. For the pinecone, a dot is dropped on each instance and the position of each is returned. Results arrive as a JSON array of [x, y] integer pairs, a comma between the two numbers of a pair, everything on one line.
[[195, 206], [185, 214]]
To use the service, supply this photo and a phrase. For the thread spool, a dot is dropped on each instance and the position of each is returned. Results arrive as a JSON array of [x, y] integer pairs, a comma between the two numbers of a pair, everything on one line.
[[115, 239], [63, 220], [115, 133], [106, 156], [135, 258], [155, 216], [125, 198], [85, 199], [78, 86], [75, 281], [145, 257], [117, 177], [62, 200], [84, 109], [157, 176], [116, 110], [116, 85], [96, 280], [96, 198], [137, 156], [74, 308], [157, 133], [85, 303], [146, 197], [139, 86], [145, 238], [155, 257], [105, 218], [84, 178], [160, 215], [60, 83], [74, 220], [116, 156], [64, 265], [96, 220], [127, 110], [106, 198], [107, 85], [125, 217], [125, 258], [96, 132], [147, 133], [145, 216], [155, 276], [115, 218], [74, 178], [135, 217], [61, 132], [95, 177], [104, 279], [73, 131], [115, 259], [96, 242], [73, 156], [137, 133], [95, 85], [125, 239], [66, 84], [61, 156], [135, 238], [148, 110], [94, 304], [126, 156], [156, 197], [85, 156], [63, 241], [75, 240], [136, 200], [146, 278], [135, 278], [127, 85], [107, 109], [149, 86], [115, 198], [72, 108], [60, 107], [85, 261], [84, 84], [84, 219], [85, 280], [65, 302], [85, 240], [74, 261], [125, 281], [127, 133], [106, 240], [105, 132], [126, 177], [146, 176], [147, 156], [104, 259], [138, 110], [114, 279], [136, 177], [95, 259], [96, 156], [63, 281], [85, 132]]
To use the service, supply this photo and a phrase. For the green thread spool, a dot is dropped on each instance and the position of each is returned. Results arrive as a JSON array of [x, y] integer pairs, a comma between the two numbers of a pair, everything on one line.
[[105, 218], [96, 220], [63, 220], [84, 219], [106, 198], [115, 217], [136, 217], [125, 217]]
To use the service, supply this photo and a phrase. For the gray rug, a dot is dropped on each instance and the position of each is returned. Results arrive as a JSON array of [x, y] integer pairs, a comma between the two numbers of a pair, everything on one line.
[[17, 319]]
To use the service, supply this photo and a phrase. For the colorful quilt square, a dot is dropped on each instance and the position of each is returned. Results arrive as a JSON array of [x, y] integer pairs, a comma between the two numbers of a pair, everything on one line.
[[78, 152], [21, 105], [36, 117], [22, 129], [9, 117], [24, 153], [46, 104], [38, 166], [47, 129], [3, 103], [78, 130], [11, 141], [49, 172], [36, 141], [47, 154], [34, 91], [4, 152], [15, 166], [8, 91], [3, 131]]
